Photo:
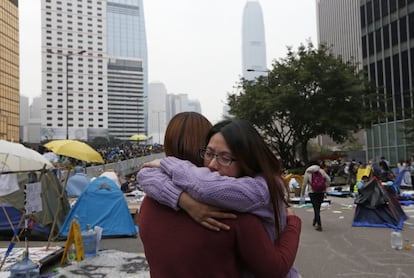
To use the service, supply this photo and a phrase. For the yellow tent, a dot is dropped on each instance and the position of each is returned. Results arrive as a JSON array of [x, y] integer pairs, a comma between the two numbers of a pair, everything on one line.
[[298, 178], [363, 172]]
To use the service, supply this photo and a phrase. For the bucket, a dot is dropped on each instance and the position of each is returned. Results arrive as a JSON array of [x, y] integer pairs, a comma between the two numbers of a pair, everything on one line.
[[89, 240]]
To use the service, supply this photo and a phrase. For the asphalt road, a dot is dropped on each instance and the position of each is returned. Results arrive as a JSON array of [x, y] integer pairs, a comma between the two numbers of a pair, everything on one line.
[[340, 250]]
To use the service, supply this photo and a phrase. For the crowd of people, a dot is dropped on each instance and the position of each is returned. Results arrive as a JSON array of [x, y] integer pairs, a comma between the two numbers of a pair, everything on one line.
[[128, 151]]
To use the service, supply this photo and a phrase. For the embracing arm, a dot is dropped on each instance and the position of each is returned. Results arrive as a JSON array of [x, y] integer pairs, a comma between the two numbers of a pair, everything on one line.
[[244, 194], [159, 186]]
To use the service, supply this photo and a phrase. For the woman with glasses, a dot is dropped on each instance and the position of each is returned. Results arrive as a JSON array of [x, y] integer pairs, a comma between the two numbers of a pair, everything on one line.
[[224, 158]]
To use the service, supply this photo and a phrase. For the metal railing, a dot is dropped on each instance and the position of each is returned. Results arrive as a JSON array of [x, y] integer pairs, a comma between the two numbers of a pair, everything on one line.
[[125, 167]]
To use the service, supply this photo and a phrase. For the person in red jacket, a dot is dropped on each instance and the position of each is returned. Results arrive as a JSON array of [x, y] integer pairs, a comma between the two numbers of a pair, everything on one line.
[[176, 246]]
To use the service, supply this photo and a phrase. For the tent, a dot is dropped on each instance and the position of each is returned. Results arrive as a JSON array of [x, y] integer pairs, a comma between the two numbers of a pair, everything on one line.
[[77, 183], [54, 208], [377, 208], [102, 204]]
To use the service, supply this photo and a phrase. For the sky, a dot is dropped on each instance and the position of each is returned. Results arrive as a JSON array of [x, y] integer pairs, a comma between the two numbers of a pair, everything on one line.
[[194, 46]]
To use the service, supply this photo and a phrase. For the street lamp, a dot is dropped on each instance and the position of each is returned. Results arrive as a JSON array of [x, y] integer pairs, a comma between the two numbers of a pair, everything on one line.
[[67, 56]]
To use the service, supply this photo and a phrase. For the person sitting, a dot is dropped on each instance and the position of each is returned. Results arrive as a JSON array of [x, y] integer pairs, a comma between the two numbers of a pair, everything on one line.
[[386, 173], [129, 185]]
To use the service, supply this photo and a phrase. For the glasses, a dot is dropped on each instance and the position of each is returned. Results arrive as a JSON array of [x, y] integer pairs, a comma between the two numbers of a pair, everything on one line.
[[221, 158]]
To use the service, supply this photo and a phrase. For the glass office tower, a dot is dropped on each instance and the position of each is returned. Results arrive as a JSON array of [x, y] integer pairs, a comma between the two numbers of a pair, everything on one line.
[[127, 68], [387, 29], [9, 70]]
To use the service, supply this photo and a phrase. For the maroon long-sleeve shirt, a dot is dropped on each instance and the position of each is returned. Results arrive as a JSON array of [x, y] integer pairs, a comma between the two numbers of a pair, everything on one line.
[[176, 246]]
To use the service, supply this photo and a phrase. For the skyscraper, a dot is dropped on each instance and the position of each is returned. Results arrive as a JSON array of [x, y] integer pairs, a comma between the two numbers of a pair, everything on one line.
[[157, 111], [94, 76], [74, 72], [127, 68], [387, 30], [9, 70], [253, 41], [384, 45], [339, 27]]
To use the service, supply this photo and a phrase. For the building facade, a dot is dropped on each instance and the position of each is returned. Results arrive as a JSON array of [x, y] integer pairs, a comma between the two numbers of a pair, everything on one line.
[[157, 111], [253, 41], [387, 30], [127, 68], [74, 70], [94, 69], [338, 26], [9, 71]]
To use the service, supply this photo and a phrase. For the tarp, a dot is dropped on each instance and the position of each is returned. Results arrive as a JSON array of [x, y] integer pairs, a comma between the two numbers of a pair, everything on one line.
[[377, 208], [52, 205], [102, 204]]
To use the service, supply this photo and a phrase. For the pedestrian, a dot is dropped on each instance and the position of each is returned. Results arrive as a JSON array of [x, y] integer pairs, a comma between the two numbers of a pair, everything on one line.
[[352, 172], [245, 246], [315, 182]]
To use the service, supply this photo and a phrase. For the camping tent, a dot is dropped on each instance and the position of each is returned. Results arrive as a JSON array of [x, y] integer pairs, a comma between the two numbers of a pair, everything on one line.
[[77, 183], [54, 208], [377, 208], [102, 204]]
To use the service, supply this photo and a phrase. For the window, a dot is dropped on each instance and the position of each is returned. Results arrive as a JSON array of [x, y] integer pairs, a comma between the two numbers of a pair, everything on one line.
[[403, 29], [369, 12], [386, 37], [394, 33]]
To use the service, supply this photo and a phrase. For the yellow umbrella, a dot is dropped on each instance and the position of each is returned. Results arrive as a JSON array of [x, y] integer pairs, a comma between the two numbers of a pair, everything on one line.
[[138, 137], [75, 149]]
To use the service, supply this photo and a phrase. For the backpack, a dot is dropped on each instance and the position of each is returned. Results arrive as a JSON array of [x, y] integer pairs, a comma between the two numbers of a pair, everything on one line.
[[318, 182]]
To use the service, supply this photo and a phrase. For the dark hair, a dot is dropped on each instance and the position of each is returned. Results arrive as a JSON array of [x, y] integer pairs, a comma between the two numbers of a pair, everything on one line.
[[254, 157], [185, 136]]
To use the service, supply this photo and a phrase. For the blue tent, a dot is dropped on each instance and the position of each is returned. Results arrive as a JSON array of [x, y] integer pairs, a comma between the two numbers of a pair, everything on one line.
[[76, 184], [102, 204], [376, 207]]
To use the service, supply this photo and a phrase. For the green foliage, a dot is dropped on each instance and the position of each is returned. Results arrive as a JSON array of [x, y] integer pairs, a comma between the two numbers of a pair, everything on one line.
[[308, 93]]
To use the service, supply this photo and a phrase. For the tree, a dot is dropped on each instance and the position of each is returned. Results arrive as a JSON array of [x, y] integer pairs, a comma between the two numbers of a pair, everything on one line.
[[309, 93]]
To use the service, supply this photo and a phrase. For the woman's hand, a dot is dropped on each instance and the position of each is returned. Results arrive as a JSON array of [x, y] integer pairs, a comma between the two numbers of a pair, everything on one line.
[[204, 214], [152, 164], [289, 211]]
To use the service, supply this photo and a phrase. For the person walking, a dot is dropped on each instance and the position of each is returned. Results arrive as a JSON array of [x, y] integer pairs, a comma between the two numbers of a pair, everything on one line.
[[315, 182]]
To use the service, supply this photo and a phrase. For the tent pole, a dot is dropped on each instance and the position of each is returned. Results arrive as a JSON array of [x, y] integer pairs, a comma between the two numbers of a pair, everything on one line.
[[62, 193]]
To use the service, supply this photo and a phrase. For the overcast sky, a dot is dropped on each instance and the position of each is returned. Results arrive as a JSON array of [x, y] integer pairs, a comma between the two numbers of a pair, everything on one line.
[[194, 46]]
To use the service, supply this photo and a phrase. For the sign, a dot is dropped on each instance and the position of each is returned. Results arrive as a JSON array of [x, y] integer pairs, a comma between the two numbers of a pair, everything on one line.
[[74, 237]]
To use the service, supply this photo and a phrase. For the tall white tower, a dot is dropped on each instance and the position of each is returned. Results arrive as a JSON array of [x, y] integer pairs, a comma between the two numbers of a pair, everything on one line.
[[253, 41]]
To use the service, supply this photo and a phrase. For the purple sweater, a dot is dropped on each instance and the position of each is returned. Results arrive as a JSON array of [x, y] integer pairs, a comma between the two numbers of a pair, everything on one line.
[[246, 194]]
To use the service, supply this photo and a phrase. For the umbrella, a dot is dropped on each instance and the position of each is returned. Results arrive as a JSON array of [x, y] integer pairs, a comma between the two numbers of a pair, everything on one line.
[[138, 137], [75, 149], [15, 157]]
